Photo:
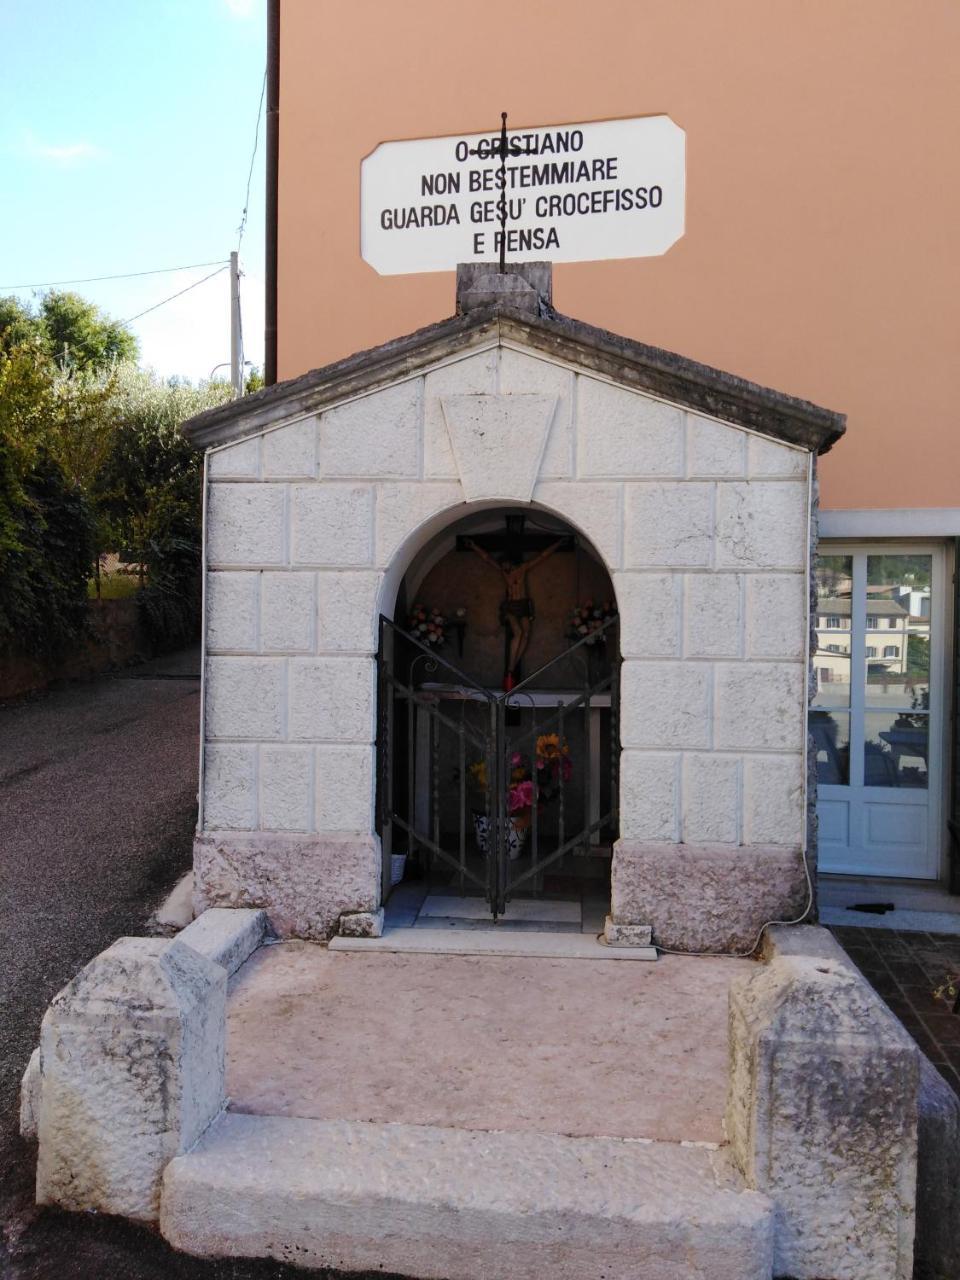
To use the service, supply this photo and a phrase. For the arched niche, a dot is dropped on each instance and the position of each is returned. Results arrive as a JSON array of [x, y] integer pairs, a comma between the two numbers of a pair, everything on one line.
[[441, 574]]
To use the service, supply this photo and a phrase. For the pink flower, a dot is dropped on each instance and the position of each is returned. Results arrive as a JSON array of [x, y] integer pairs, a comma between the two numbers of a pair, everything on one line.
[[516, 759], [521, 796]]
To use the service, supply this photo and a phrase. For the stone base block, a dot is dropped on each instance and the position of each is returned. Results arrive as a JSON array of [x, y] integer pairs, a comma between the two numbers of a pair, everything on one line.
[[706, 897], [305, 883], [226, 935], [938, 1177], [30, 1097], [626, 935], [362, 924], [132, 1058], [456, 1204], [822, 1117], [176, 910], [802, 940], [937, 1251]]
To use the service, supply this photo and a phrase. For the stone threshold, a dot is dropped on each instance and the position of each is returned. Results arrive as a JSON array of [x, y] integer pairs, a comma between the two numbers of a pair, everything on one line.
[[528, 910], [492, 942], [455, 1204]]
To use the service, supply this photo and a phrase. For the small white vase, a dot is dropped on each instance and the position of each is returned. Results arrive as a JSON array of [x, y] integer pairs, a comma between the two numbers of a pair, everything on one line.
[[516, 838], [481, 830]]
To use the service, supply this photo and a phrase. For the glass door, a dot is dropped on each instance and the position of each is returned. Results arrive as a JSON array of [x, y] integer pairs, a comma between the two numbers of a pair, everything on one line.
[[875, 718]]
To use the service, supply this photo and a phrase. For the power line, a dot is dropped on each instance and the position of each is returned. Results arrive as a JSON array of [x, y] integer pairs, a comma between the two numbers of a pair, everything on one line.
[[243, 218], [178, 294], [126, 275], [253, 157]]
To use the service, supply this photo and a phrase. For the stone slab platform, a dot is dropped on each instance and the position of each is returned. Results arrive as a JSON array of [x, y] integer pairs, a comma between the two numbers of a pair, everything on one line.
[[446, 1204], [493, 1042]]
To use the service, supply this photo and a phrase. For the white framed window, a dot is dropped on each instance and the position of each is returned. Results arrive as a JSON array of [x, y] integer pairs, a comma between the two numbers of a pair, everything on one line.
[[877, 724]]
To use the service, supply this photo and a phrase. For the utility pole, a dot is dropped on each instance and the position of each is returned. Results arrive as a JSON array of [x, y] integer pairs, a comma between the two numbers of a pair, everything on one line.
[[236, 356]]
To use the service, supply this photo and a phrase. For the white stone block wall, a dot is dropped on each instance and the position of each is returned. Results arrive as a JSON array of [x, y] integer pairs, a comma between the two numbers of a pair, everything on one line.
[[301, 521], [703, 527], [714, 663]]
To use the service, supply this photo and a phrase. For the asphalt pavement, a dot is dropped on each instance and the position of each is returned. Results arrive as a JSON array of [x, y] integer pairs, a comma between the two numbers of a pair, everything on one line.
[[98, 788]]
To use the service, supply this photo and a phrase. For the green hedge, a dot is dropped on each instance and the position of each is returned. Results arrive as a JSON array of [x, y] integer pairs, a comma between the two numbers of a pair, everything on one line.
[[46, 549], [92, 460]]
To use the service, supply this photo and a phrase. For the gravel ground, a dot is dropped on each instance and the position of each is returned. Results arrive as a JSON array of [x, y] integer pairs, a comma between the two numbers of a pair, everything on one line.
[[97, 809]]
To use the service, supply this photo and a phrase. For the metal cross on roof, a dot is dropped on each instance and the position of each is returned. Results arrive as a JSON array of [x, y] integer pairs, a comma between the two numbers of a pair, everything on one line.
[[502, 204], [500, 148]]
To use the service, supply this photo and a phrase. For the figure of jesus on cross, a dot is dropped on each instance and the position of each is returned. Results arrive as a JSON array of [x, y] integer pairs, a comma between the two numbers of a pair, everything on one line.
[[516, 608]]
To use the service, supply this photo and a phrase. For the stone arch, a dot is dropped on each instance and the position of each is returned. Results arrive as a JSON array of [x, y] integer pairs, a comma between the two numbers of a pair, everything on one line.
[[412, 805], [419, 539]]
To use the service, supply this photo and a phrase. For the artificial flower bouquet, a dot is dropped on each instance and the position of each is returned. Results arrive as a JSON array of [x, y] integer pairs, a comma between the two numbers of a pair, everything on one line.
[[427, 625], [588, 620], [554, 768]]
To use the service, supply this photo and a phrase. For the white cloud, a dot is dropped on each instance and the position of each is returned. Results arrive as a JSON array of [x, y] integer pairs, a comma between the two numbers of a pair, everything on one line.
[[242, 8], [65, 154]]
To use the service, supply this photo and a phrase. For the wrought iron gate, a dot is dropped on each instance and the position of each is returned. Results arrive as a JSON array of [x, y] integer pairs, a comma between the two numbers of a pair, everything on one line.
[[449, 750]]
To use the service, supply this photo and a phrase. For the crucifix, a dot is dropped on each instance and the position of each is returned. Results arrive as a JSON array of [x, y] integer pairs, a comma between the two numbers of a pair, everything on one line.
[[505, 553]]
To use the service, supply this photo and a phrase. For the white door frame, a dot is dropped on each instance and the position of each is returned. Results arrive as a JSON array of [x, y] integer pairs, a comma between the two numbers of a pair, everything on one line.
[[930, 866]]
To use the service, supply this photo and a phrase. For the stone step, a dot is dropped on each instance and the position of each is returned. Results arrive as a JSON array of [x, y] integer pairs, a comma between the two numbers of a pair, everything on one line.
[[493, 942], [458, 1204]]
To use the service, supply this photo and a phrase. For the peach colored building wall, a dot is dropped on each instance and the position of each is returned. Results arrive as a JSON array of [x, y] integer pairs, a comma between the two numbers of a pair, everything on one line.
[[823, 193]]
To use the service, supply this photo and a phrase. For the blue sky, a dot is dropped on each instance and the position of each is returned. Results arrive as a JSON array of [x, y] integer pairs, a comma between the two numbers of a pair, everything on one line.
[[126, 130]]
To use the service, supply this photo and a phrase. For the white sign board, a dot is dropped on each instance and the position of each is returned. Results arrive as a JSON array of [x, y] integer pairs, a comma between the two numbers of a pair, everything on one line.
[[575, 193]]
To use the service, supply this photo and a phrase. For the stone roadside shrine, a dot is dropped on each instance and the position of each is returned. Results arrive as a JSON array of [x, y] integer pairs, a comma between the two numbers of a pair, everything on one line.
[[463, 798], [338, 498]]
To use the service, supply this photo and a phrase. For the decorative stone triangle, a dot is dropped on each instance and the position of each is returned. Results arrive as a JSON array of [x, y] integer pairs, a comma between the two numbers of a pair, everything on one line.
[[498, 442]]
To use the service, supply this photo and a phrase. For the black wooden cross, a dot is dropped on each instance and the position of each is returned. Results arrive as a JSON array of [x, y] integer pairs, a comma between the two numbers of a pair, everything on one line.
[[515, 542]]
